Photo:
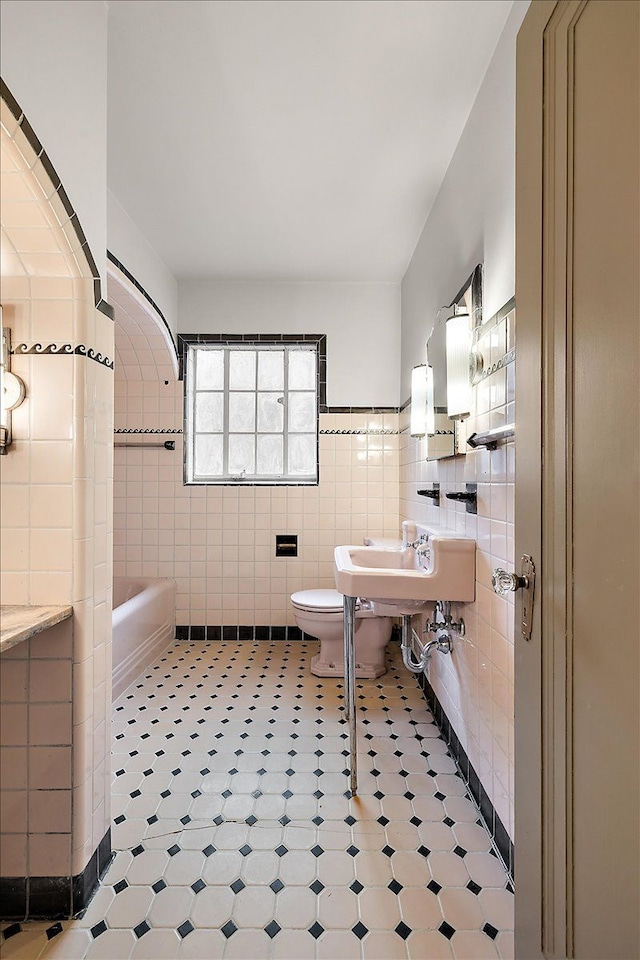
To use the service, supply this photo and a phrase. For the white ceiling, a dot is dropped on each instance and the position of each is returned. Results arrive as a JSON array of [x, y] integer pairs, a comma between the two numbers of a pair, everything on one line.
[[290, 139]]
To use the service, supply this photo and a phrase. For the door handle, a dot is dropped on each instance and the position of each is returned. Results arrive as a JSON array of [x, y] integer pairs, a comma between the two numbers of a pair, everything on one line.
[[505, 583]]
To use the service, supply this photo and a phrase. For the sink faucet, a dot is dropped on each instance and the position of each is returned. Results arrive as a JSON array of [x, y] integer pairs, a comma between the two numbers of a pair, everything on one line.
[[422, 539], [423, 552], [443, 621]]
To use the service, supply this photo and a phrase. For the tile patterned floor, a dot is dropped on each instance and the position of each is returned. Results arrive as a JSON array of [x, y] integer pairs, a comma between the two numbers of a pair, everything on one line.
[[236, 838]]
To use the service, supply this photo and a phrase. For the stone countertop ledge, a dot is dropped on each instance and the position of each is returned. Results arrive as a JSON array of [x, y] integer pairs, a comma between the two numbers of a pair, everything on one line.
[[19, 622]]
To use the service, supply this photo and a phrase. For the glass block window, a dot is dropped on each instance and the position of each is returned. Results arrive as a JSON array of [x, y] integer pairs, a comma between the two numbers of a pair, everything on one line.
[[251, 413]]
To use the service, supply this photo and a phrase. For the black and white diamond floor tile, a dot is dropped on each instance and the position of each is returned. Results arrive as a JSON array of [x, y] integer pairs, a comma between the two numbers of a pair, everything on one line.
[[236, 837]]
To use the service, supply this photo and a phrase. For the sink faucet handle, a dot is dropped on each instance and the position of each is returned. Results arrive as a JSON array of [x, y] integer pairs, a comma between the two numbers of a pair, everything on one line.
[[423, 550], [423, 538]]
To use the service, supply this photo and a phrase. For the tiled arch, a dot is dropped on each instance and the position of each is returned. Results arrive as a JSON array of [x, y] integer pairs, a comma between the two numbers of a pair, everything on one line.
[[144, 346], [57, 540], [55, 207]]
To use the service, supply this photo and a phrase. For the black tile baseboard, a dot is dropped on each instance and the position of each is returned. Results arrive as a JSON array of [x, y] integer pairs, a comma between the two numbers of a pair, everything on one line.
[[493, 822], [197, 634], [13, 898], [54, 898]]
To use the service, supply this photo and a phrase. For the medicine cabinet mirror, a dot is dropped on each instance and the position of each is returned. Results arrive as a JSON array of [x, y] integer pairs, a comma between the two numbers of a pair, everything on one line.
[[450, 438]]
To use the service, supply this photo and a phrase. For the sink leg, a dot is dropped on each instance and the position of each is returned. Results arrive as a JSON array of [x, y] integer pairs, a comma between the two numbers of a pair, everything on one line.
[[349, 618]]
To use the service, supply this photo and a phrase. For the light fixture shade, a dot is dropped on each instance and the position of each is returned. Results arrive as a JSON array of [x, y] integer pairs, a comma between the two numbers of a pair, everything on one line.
[[12, 391], [418, 425], [5, 408], [458, 350], [431, 410]]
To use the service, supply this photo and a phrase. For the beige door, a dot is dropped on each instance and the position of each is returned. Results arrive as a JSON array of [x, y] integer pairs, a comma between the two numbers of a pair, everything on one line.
[[577, 491]]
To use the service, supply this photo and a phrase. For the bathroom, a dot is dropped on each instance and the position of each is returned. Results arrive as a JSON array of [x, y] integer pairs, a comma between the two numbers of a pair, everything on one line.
[[218, 542], [128, 513]]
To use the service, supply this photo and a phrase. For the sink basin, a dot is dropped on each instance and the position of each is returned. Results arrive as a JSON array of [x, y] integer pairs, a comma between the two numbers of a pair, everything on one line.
[[404, 579], [384, 558]]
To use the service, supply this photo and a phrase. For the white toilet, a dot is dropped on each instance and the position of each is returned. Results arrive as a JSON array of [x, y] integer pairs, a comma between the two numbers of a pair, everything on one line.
[[318, 613]]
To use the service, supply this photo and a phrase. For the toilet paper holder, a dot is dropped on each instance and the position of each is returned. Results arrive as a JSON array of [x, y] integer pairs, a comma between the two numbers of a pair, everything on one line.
[[286, 545]]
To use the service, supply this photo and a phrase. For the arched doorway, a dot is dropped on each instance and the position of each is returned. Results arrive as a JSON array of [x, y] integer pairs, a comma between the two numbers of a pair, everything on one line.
[[56, 546]]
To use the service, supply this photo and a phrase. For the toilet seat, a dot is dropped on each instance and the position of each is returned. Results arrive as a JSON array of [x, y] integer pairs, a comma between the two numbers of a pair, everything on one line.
[[318, 601]]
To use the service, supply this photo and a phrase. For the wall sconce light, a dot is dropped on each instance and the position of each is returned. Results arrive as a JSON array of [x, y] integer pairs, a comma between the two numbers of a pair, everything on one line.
[[12, 391], [423, 415], [431, 409], [418, 424], [458, 338]]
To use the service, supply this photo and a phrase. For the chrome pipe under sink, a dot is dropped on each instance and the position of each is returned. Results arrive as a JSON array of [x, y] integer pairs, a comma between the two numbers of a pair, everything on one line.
[[349, 619]]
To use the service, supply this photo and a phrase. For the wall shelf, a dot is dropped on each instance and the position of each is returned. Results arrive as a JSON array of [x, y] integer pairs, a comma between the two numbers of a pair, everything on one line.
[[490, 438]]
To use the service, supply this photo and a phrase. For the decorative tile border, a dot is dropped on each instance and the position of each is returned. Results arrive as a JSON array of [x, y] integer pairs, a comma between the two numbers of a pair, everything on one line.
[[54, 898], [144, 430], [63, 349], [56, 182], [500, 364], [493, 822], [375, 433], [368, 433], [509, 356], [438, 433]]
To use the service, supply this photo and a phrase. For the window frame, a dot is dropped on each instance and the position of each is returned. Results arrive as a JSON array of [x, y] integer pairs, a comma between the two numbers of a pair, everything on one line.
[[186, 345]]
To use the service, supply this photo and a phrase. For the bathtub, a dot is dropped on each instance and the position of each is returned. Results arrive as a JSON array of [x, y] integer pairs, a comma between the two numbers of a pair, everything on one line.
[[144, 622]]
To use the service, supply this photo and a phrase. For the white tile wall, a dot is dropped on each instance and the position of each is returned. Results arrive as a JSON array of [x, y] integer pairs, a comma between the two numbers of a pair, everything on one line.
[[219, 542], [475, 684], [56, 489]]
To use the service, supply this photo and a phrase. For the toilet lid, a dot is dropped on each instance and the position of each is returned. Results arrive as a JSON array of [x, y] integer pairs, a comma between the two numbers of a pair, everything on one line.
[[327, 600]]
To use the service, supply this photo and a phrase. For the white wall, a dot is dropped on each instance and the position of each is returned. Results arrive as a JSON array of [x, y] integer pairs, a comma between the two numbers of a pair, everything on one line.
[[473, 217], [54, 61], [361, 320], [133, 250]]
